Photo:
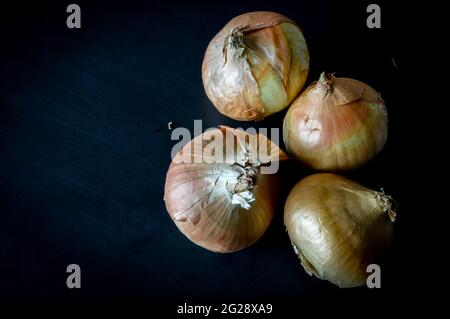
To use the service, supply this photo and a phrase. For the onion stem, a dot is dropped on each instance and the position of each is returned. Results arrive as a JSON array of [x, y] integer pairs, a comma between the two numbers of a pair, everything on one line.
[[326, 82]]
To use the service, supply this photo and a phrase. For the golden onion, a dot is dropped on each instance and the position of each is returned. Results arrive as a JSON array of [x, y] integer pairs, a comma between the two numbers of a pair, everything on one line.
[[336, 124], [223, 205], [255, 66], [338, 227]]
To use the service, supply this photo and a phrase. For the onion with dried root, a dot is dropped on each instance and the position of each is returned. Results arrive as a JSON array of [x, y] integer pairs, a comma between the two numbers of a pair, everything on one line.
[[255, 66], [336, 124], [338, 227], [221, 188]]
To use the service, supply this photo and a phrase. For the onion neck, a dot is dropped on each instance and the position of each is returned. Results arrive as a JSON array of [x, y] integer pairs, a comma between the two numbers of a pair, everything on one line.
[[247, 180], [236, 38], [326, 82], [235, 43], [387, 204], [241, 190]]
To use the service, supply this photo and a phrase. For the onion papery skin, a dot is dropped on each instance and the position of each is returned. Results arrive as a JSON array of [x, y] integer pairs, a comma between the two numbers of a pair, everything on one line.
[[336, 124], [255, 66], [338, 227], [202, 204]]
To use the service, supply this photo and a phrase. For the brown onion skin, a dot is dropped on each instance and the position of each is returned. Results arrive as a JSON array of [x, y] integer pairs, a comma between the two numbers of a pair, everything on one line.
[[213, 222], [338, 227], [232, 82], [336, 124]]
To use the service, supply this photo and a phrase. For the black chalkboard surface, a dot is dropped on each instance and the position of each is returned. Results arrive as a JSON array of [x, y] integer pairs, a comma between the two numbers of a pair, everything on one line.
[[85, 145]]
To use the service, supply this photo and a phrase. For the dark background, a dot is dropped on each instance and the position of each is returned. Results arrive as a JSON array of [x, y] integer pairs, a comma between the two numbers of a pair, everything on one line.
[[84, 148]]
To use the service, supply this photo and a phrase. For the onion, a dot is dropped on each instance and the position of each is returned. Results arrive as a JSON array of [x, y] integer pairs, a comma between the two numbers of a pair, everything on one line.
[[255, 66], [336, 124], [338, 227], [226, 205]]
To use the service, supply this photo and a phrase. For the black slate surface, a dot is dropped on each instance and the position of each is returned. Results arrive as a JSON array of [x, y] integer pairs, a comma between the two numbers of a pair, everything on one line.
[[84, 147]]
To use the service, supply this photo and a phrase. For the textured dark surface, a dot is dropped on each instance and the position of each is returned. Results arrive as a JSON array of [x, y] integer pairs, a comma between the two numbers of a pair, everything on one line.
[[84, 148]]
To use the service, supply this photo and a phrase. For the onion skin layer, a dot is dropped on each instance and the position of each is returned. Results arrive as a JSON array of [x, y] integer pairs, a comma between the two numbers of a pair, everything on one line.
[[338, 227], [255, 66], [336, 124], [200, 202]]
